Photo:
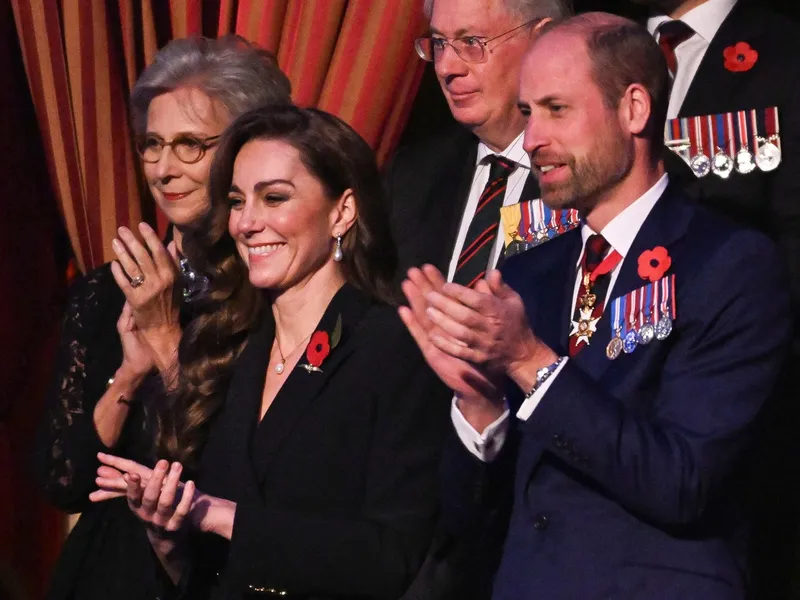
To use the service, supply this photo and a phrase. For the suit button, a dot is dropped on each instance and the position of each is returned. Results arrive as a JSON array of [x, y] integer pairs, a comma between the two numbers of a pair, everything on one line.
[[541, 522], [559, 442]]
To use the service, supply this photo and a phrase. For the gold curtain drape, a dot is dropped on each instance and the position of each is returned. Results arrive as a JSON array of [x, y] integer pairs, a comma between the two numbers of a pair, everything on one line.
[[354, 58]]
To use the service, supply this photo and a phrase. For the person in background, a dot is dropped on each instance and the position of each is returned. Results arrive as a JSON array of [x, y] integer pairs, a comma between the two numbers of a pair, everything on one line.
[[446, 192], [608, 383], [320, 424], [123, 321], [734, 69]]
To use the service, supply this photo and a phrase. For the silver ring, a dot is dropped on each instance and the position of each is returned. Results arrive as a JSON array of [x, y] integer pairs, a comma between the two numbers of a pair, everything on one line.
[[137, 281]]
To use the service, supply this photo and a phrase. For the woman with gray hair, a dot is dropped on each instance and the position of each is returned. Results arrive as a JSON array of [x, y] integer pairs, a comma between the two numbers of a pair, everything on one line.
[[124, 320]]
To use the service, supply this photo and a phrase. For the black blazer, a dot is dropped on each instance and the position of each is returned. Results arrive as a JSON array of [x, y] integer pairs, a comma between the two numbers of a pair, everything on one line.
[[336, 488], [427, 187], [769, 202]]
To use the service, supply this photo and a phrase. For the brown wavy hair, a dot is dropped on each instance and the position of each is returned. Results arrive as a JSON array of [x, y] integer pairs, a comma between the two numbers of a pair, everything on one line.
[[340, 159]]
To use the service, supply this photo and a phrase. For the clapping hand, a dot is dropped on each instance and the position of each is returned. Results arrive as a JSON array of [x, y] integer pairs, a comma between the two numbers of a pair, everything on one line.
[[147, 275], [485, 326], [156, 495], [160, 500], [136, 354], [463, 377]]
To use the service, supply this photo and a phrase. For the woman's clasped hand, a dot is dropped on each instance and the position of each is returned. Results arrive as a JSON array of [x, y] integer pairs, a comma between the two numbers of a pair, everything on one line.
[[158, 497]]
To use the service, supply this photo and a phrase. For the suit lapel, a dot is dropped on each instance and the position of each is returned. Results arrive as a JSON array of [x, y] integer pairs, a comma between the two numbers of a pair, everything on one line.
[[302, 387], [229, 445], [666, 223], [715, 89]]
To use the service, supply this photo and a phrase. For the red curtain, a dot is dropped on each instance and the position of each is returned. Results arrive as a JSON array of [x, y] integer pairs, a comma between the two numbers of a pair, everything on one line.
[[354, 58], [31, 289]]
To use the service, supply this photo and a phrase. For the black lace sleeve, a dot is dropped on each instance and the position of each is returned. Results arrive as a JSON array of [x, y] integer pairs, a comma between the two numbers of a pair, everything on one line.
[[89, 354]]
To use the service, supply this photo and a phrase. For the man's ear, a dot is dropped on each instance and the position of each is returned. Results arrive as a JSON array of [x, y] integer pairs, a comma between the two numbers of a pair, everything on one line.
[[536, 30], [344, 214], [635, 109]]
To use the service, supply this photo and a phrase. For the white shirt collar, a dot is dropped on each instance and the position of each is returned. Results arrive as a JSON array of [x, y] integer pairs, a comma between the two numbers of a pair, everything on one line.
[[514, 152], [705, 19], [623, 229]]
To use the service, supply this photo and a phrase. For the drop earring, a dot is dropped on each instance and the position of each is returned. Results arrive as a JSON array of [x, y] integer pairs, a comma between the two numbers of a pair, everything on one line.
[[337, 254]]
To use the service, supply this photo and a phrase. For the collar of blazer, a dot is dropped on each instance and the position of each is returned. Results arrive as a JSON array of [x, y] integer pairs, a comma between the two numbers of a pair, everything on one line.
[[237, 431]]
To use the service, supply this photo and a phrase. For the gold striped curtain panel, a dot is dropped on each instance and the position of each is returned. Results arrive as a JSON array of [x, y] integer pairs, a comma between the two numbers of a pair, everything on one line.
[[354, 58]]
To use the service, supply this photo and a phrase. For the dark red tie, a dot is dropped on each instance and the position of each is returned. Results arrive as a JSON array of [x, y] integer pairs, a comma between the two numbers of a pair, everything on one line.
[[672, 34], [596, 249], [474, 258]]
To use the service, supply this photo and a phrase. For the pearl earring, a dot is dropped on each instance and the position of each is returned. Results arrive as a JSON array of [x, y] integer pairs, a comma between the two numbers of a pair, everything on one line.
[[338, 255]]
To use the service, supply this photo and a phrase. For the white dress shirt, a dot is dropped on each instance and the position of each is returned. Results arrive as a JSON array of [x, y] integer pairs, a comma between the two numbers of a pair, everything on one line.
[[516, 182], [619, 233], [704, 20]]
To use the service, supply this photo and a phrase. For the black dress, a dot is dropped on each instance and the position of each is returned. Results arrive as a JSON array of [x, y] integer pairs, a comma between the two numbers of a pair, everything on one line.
[[107, 554], [336, 487]]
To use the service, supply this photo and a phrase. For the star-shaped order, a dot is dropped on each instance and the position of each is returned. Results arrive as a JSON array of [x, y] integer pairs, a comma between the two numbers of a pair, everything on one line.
[[585, 327]]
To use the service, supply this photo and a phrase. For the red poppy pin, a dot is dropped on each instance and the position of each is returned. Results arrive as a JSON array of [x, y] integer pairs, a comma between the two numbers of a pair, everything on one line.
[[320, 346], [740, 57], [654, 263]]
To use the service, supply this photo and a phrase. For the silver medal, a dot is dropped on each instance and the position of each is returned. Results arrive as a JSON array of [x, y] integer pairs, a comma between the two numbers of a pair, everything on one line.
[[663, 328], [646, 334], [768, 157], [701, 165], [744, 161], [722, 165]]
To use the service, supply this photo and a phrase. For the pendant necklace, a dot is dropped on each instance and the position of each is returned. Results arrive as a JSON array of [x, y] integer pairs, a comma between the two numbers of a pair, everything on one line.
[[281, 366]]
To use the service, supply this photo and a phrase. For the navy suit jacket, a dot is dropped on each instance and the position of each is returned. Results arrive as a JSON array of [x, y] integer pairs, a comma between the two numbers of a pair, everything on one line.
[[625, 480]]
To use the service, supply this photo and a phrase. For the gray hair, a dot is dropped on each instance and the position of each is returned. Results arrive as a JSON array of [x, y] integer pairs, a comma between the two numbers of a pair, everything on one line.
[[229, 70], [525, 9]]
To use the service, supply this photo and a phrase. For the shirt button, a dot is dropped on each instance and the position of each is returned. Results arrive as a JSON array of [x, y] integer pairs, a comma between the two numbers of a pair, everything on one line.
[[541, 522]]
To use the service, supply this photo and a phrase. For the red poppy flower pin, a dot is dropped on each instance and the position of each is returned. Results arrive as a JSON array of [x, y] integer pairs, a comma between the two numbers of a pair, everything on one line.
[[653, 264], [740, 57], [320, 346]]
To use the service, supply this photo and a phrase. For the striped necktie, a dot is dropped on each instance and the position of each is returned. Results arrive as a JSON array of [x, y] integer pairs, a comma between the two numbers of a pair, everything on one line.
[[474, 258]]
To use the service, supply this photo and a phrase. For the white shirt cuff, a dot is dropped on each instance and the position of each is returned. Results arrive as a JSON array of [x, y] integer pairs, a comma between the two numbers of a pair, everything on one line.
[[527, 408], [484, 445]]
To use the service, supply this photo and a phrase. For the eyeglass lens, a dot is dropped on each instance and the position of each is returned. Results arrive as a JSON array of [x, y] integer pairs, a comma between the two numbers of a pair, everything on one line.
[[186, 148]]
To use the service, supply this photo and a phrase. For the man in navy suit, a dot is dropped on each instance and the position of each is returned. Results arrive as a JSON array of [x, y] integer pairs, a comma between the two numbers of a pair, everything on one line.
[[608, 384]]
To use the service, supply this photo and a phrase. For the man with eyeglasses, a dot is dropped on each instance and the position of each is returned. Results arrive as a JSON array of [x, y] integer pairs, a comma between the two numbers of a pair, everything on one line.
[[445, 196], [447, 191]]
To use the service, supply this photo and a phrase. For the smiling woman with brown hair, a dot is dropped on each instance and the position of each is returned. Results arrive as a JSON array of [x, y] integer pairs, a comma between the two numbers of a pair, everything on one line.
[[319, 421]]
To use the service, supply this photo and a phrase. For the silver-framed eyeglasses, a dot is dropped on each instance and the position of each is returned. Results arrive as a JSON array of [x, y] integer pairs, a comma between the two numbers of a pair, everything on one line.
[[187, 148], [470, 48]]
